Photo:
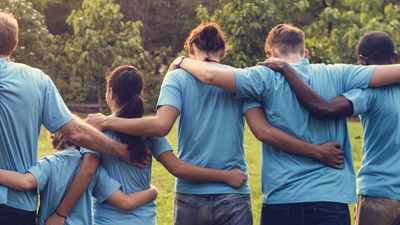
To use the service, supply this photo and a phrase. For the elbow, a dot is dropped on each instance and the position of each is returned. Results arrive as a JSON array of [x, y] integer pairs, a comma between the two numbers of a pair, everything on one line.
[[209, 77], [25, 186], [321, 113], [177, 171], [163, 129], [263, 134], [125, 205]]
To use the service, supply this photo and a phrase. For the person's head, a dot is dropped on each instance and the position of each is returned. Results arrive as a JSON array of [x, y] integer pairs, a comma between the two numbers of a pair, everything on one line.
[[376, 48], [284, 40], [124, 97], [206, 40], [8, 33], [59, 142]]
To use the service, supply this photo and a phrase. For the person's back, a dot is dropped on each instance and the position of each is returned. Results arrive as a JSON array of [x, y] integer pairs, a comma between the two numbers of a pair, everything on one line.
[[132, 179], [210, 130], [25, 98], [54, 174]]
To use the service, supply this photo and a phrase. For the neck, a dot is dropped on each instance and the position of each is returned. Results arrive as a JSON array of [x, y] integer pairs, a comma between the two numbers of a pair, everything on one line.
[[202, 55], [6, 56], [291, 58]]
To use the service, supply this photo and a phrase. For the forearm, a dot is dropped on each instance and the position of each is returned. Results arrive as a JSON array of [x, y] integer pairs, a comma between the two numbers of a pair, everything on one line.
[[146, 127], [79, 184], [384, 75], [209, 74], [17, 181], [90, 138]]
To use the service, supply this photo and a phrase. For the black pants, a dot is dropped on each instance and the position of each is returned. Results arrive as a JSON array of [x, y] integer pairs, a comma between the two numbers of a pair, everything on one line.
[[13, 216]]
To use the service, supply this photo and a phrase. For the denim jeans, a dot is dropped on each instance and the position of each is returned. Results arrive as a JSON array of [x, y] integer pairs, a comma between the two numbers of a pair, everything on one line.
[[309, 213], [227, 209], [13, 216]]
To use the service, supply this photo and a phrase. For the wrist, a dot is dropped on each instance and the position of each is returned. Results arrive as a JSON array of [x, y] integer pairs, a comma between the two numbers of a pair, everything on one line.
[[60, 215]]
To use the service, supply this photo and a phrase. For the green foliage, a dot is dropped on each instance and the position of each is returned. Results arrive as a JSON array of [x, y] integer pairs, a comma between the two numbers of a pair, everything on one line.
[[102, 42], [247, 23], [34, 38], [334, 37]]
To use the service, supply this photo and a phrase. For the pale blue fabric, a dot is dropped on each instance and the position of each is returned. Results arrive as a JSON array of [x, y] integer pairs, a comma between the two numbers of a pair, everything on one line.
[[379, 109], [210, 129], [54, 174], [28, 98], [290, 178], [133, 179]]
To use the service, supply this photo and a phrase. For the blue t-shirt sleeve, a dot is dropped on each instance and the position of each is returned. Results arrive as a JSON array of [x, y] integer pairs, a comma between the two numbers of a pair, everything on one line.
[[171, 91], [103, 185], [55, 112], [361, 100], [159, 145], [41, 172], [249, 104], [252, 82], [352, 77]]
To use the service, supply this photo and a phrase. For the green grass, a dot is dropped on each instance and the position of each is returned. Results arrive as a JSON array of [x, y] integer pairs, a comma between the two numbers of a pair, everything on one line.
[[165, 181]]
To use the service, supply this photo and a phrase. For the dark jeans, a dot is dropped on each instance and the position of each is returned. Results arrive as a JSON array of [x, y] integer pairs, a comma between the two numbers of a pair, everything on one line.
[[309, 213], [13, 216]]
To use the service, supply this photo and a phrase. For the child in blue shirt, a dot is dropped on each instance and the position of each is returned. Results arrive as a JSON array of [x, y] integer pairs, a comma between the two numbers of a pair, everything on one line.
[[52, 175]]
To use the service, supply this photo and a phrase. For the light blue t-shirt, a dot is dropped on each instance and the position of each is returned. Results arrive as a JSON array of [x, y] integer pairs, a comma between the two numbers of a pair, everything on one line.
[[290, 178], [379, 109], [28, 98], [210, 129], [133, 179], [54, 174]]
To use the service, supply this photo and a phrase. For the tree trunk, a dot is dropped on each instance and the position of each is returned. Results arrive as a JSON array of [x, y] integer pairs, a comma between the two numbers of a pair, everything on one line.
[[99, 95]]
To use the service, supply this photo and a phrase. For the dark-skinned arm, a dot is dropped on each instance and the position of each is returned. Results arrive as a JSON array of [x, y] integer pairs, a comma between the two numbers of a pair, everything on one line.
[[328, 153], [320, 108]]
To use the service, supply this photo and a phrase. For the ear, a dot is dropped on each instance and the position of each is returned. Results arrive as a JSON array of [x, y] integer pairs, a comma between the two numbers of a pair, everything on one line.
[[191, 49], [16, 44], [274, 53], [396, 56], [222, 54], [111, 93], [363, 60], [306, 53]]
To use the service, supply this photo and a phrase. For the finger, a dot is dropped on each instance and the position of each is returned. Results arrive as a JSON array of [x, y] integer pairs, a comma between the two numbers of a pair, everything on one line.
[[339, 162], [337, 145], [340, 157], [338, 167]]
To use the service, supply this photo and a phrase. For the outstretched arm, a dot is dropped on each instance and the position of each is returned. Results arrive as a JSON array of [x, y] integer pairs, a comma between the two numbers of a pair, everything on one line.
[[234, 177], [17, 181], [133, 200], [209, 74], [158, 126], [384, 75], [78, 186], [338, 107], [328, 153]]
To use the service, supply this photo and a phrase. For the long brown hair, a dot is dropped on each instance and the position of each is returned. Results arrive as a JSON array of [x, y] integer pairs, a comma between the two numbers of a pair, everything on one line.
[[127, 84]]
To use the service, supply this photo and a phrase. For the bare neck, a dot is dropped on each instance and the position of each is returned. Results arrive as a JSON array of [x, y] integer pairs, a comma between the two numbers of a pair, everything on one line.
[[202, 55], [291, 58], [7, 57]]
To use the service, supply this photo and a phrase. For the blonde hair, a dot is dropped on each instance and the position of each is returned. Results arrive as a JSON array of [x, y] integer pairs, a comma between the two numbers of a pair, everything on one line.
[[59, 141]]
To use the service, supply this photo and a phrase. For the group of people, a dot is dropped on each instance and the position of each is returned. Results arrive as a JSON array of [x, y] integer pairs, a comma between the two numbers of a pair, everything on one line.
[[296, 109]]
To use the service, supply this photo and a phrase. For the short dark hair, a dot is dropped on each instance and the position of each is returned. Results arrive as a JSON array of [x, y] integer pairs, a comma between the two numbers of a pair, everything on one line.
[[286, 38], [377, 46], [8, 33]]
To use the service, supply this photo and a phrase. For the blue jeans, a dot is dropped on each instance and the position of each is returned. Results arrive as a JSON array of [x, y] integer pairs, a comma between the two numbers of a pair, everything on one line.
[[228, 209], [309, 213]]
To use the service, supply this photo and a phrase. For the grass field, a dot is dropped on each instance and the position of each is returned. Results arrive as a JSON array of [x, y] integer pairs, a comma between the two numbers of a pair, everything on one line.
[[165, 181]]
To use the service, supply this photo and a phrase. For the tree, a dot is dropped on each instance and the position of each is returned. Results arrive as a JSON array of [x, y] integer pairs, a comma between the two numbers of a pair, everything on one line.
[[247, 23], [34, 38], [334, 37], [102, 42]]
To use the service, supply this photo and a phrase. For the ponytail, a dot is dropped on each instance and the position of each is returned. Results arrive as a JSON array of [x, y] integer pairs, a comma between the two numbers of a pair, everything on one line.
[[127, 84]]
